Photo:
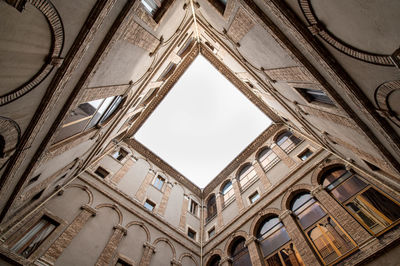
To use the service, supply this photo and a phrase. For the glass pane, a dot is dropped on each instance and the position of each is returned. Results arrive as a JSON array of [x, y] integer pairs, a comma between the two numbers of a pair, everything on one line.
[[100, 112], [268, 225], [310, 215], [112, 108], [330, 177], [323, 244], [274, 260], [290, 256], [227, 187], [348, 188], [274, 241], [300, 200]]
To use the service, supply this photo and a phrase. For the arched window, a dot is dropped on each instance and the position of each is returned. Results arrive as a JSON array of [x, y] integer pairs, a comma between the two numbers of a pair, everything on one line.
[[246, 174], [287, 141], [267, 158], [214, 260], [326, 237], [239, 253], [87, 115], [211, 208], [275, 244], [374, 210], [227, 192]]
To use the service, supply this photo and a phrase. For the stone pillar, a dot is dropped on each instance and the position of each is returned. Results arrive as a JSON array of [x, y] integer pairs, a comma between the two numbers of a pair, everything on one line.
[[185, 204], [140, 194], [262, 175], [108, 252], [220, 220], [238, 195], [227, 261], [57, 248], [123, 170], [344, 219], [164, 200], [298, 239], [149, 249], [254, 252], [282, 155]]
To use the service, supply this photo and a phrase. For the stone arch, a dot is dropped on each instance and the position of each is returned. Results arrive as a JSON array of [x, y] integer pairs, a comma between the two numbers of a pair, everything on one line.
[[214, 252], [293, 191], [166, 240], [322, 168], [232, 238], [112, 206], [84, 188], [57, 42], [279, 132], [383, 93], [257, 220], [241, 167], [143, 226], [189, 255], [226, 181], [10, 134]]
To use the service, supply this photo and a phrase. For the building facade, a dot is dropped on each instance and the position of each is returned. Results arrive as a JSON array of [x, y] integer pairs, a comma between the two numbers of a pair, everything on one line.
[[320, 186]]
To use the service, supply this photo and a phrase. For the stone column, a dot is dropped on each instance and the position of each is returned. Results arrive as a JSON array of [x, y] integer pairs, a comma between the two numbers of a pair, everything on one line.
[[149, 249], [140, 194], [220, 220], [254, 252], [185, 204], [57, 248], [282, 155], [227, 261], [123, 170], [108, 252], [344, 219], [298, 239], [164, 200], [262, 175], [238, 195]]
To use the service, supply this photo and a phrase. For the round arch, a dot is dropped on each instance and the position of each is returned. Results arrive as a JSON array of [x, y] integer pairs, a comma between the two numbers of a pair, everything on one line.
[[112, 206], [292, 192], [260, 218], [166, 240], [144, 227], [232, 239]]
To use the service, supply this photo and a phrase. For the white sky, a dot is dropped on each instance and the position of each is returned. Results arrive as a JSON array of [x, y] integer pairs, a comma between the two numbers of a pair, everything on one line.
[[202, 124]]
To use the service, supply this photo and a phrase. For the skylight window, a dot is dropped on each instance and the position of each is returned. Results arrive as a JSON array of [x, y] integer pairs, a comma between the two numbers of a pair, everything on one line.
[[202, 124]]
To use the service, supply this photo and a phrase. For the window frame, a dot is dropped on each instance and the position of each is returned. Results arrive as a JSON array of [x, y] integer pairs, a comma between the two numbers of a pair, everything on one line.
[[255, 193], [150, 203], [196, 207], [191, 230], [98, 173], [156, 181]]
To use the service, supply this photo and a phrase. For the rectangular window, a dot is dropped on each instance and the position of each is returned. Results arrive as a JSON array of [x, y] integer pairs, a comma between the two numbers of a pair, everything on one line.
[[191, 233], [219, 5], [193, 207], [159, 182], [211, 232], [100, 171], [34, 237], [121, 262], [305, 154], [254, 197], [34, 179], [313, 95], [151, 6], [120, 154], [167, 72], [149, 205]]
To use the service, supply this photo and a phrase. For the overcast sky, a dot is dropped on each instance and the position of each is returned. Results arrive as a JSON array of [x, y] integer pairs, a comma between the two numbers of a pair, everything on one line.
[[202, 124]]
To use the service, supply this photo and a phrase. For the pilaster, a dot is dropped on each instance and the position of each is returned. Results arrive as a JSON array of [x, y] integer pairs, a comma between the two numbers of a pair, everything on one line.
[[262, 175], [123, 170], [149, 249], [108, 252], [238, 195], [140, 194], [282, 155], [254, 252], [164, 200], [220, 220], [185, 204]]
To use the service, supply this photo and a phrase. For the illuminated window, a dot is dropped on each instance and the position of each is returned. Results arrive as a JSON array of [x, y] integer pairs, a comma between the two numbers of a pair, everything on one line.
[[254, 197], [120, 154], [287, 141], [246, 174], [34, 237], [372, 208], [149, 205], [267, 158], [227, 192], [305, 154], [159, 182], [326, 237], [87, 115], [193, 207], [276, 245], [312, 95]]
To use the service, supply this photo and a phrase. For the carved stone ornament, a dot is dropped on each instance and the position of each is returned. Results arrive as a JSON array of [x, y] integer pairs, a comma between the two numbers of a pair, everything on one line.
[[383, 99]]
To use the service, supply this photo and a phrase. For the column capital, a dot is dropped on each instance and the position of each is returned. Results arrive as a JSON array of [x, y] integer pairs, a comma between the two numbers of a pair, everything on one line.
[[250, 240], [285, 214], [149, 246], [316, 190], [175, 262], [226, 259], [121, 228], [87, 208]]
